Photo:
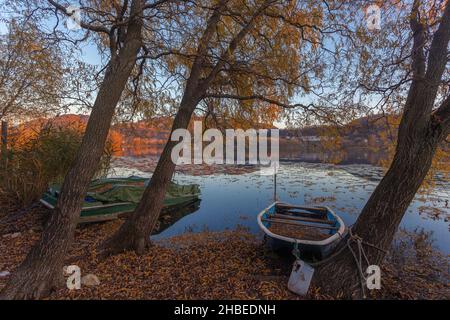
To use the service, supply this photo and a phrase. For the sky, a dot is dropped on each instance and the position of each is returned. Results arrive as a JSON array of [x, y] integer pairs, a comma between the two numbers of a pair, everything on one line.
[[90, 54]]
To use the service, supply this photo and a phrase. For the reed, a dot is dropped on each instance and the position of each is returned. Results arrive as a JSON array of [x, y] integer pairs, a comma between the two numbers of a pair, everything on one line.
[[40, 160]]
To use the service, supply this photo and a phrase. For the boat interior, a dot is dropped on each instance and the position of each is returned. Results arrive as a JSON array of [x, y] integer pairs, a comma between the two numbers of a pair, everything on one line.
[[301, 222]]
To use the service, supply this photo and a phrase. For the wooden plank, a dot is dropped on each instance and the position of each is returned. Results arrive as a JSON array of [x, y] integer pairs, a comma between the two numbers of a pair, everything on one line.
[[302, 213], [307, 214], [289, 217], [288, 206], [293, 223]]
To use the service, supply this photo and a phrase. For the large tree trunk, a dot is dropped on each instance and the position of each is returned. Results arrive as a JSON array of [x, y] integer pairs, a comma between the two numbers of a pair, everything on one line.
[[4, 144], [420, 132], [42, 269], [134, 233], [381, 216]]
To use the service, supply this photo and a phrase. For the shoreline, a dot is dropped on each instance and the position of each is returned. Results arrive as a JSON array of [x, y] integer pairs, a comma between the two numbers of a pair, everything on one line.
[[230, 264]]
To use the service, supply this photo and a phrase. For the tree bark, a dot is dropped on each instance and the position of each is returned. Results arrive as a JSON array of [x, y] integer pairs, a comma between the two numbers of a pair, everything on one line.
[[381, 216], [42, 269], [134, 233], [420, 132], [4, 144]]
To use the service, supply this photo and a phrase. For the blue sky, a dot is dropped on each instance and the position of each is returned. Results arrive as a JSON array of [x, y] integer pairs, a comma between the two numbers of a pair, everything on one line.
[[90, 54]]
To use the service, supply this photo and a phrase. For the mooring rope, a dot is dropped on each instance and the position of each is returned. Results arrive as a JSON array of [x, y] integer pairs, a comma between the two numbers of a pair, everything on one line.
[[357, 257]]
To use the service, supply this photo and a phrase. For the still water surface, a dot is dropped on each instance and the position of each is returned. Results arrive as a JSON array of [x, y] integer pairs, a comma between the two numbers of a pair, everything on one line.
[[228, 201]]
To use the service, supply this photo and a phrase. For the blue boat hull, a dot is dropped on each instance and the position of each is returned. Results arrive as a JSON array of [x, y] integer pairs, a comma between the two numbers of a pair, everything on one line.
[[307, 252], [309, 249]]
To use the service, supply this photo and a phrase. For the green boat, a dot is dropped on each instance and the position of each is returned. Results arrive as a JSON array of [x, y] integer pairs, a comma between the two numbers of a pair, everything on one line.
[[110, 198]]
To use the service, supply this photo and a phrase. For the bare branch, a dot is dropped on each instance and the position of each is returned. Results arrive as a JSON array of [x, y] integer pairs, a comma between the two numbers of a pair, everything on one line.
[[203, 45], [260, 98], [437, 58], [84, 25], [418, 54], [234, 43]]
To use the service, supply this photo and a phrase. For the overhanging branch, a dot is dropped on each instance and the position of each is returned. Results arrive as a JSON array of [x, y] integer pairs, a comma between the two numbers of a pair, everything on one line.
[[307, 107], [84, 25]]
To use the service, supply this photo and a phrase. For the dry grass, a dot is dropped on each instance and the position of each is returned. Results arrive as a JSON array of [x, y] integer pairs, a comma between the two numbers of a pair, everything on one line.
[[39, 158]]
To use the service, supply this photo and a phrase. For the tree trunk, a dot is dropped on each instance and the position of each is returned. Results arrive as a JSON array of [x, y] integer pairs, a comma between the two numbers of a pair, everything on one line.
[[420, 132], [134, 233], [42, 269], [381, 216], [4, 144]]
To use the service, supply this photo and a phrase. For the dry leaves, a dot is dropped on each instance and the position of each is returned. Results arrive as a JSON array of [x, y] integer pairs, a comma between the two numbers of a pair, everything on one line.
[[208, 265]]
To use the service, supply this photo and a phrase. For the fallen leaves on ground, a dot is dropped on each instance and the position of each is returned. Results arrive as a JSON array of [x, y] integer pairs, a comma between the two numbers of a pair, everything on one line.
[[231, 264]]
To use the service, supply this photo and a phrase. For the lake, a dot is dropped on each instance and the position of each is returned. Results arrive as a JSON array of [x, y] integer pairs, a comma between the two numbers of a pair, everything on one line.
[[229, 201]]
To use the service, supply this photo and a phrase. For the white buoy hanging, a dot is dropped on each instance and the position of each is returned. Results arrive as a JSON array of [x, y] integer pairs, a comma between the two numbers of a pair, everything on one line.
[[301, 275], [300, 278]]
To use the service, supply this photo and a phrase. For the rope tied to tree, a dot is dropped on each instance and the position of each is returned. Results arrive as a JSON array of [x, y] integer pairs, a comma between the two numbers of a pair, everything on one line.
[[357, 256]]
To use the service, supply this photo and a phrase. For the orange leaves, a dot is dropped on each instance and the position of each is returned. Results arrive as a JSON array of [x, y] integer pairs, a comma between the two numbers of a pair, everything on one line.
[[31, 72], [272, 113], [440, 169], [116, 141], [267, 62], [222, 265], [332, 141], [387, 135], [434, 11]]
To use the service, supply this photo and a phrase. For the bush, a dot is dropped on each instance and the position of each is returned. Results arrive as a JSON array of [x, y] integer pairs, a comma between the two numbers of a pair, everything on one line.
[[41, 159]]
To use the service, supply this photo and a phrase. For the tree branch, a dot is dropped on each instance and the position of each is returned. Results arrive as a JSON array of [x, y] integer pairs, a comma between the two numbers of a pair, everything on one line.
[[260, 98], [84, 25], [442, 115], [233, 45], [203, 46], [418, 54], [437, 58]]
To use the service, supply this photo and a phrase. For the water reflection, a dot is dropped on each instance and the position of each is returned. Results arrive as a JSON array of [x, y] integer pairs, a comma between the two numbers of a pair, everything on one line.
[[171, 215]]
